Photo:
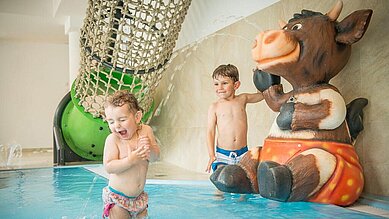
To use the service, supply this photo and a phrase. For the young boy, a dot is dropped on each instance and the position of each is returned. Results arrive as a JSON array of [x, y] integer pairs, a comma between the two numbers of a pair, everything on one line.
[[127, 152], [228, 115]]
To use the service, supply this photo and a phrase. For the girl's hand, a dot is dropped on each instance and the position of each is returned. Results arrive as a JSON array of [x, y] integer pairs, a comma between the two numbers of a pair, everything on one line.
[[144, 143], [140, 153]]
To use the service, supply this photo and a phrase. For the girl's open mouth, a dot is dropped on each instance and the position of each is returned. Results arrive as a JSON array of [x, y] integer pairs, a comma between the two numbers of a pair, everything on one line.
[[123, 132]]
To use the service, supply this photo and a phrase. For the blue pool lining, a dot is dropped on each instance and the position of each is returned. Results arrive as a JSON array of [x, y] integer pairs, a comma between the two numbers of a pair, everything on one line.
[[374, 201], [179, 182], [154, 181]]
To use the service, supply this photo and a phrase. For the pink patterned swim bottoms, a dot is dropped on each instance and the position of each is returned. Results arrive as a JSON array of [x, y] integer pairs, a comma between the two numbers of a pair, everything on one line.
[[134, 205]]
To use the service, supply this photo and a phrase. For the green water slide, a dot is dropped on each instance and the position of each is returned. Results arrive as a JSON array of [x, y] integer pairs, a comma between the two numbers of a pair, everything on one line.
[[78, 136]]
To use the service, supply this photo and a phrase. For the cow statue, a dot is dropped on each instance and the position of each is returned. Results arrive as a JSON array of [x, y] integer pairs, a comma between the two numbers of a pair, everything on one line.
[[308, 154]]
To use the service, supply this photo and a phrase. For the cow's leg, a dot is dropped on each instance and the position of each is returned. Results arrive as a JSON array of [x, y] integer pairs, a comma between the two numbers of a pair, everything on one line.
[[239, 178], [297, 180], [232, 179], [274, 181]]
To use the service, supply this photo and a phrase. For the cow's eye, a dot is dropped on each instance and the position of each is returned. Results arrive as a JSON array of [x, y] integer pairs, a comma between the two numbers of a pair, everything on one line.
[[297, 27]]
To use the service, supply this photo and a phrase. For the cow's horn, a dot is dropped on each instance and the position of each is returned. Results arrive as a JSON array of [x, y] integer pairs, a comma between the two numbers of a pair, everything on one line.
[[333, 14], [282, 23]]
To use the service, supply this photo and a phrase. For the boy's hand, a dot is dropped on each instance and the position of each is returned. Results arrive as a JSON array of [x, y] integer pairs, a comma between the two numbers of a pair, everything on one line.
[[211, 160]]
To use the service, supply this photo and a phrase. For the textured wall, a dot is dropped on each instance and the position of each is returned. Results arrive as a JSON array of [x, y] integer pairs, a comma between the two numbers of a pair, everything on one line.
[[33, 79], [186, 90]]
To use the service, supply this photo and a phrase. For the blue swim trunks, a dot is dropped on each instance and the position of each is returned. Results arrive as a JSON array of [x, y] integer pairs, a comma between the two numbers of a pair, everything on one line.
[[226, 157]]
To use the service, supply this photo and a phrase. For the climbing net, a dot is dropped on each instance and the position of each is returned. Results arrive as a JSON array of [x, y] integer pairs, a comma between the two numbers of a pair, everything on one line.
[[126, 44]]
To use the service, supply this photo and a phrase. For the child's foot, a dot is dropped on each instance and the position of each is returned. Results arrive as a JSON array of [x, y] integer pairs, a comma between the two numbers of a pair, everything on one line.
[[243, 198], [219, 195]]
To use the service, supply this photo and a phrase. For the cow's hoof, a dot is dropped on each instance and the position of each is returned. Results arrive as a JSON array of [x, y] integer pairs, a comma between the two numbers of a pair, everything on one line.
[[231, 179], [274, 181]]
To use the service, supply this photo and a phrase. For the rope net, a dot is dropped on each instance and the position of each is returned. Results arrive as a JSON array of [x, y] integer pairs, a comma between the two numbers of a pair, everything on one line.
[[126, 45]]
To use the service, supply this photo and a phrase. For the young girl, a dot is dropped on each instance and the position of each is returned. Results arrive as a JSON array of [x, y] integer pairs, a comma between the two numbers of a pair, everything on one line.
[[127, 152]]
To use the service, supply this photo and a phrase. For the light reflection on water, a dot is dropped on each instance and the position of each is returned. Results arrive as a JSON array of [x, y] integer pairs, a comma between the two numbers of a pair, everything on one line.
[[74, 192]]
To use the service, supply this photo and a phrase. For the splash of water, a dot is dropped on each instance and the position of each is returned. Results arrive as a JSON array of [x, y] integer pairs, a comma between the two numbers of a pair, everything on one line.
[[189, 50], [15, 151], [88, 198], [8, 153], [3, 155]]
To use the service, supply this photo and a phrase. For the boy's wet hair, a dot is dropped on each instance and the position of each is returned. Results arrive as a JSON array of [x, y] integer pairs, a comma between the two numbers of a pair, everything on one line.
[[121, 97], [228, 70]]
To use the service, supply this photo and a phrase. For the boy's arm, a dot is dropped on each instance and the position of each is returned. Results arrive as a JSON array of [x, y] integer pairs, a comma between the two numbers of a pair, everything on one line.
[[253, 97], [112, 163], [211, 131]]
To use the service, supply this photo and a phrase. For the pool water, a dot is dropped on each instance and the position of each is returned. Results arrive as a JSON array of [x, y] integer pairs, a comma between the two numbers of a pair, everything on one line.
[[51, 193], [75, 192]]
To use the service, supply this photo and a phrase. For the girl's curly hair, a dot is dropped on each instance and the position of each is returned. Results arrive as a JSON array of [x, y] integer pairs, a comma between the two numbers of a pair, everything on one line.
[[121, 97]]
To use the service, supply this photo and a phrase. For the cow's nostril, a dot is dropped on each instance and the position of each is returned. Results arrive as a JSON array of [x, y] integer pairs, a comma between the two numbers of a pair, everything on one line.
[[254, 43], [271, 37]]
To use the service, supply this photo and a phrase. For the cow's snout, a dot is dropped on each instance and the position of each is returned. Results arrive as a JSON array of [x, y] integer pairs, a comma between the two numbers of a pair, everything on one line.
[[271, 37], [274, 46]]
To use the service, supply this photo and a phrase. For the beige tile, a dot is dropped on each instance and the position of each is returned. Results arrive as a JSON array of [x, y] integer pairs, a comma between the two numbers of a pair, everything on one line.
[[369, 209], [187, 148], [351, 74], [259, 21], [30, 158], [260, 118], [376, 182], [235, 49], [374, 74], [375, 142], [359, 147], [290, 7]]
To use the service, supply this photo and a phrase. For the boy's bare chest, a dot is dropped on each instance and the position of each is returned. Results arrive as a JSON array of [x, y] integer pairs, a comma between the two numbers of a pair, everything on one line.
[[230, 109]]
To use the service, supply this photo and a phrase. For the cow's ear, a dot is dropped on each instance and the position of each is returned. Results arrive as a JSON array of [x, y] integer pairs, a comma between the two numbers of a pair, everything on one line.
[[352, 28]]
